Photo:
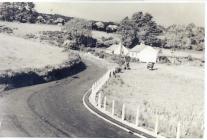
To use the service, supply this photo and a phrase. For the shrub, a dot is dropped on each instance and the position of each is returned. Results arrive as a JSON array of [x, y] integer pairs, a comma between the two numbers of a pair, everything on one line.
[[101, 54], [79, 30], [190, 58], [5, 29], [163, 59], [30, 36]]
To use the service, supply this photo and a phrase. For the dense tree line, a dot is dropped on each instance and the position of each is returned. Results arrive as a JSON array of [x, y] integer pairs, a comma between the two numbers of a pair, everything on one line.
[[141, 28], [25, 12], [184, 37], [79, 33], [18, 11]]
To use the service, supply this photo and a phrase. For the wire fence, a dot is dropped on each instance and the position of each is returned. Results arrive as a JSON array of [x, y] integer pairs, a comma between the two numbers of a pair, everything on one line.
[[119, 111]]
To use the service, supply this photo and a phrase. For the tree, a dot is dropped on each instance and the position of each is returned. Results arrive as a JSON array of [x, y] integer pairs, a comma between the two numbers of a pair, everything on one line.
[[7, 12], [128, 33], [32, 17], [18, 11], [99, 25], [59, 20], [80, 30], [40, 19], [184, 37], [30, 5], [139, 28]]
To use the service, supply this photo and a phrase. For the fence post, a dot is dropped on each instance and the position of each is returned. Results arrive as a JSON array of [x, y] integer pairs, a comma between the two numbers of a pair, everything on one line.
[[92, 89], [202, 126], [92, 97], [94, 85], [123, 112], [99, 100], [156, 124], [105, 103], [137, 116], [113, 105], [178, 130]]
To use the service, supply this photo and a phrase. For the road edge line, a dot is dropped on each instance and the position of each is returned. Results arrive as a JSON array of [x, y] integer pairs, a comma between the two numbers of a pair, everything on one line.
[[93, 112]]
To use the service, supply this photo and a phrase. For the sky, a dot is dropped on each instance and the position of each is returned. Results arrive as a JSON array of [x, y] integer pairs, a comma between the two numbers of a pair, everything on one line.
[[164, 13]]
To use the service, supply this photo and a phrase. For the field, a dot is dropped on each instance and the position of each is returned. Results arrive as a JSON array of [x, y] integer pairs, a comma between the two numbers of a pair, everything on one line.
[[21, 29], [17, 52], [184, 53], [20, 53], [20, 58], [175, 93], [100, 34]]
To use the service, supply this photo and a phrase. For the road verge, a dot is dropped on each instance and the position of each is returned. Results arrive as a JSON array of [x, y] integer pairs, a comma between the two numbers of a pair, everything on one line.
[[31, 76]]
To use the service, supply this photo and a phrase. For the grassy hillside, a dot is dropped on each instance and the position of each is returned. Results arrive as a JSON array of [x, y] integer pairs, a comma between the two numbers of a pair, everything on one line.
[[18, 53], [21, 29]]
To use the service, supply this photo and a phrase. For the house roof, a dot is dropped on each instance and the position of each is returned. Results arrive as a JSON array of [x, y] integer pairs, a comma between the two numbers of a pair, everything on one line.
[[117, 48], [139, 48]]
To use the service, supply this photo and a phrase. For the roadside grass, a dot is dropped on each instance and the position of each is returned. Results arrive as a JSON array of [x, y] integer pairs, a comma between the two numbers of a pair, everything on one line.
[[174, 93]]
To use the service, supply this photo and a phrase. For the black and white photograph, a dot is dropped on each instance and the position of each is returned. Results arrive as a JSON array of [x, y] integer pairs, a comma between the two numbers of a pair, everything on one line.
[[102, 69]]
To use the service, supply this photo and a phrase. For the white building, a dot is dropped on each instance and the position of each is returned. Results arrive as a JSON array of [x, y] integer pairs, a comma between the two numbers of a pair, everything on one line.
[[144, 53], [117, 49]]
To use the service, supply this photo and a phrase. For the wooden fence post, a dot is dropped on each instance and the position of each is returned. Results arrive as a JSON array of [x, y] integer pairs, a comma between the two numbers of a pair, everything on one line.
[[93, 95], [156, 124], [137, 117], [105, 103], [123, 112], [202, 126], [95, 85], [92, 89], [113, 105], [99, 100], [178, 130]]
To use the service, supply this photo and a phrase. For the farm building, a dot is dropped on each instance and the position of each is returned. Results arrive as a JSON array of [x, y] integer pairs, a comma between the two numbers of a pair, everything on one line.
[[117, 49], [134, 52], [144, 53]]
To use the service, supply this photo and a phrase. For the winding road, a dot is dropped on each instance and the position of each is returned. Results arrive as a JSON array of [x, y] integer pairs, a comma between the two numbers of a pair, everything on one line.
[[55, 109]]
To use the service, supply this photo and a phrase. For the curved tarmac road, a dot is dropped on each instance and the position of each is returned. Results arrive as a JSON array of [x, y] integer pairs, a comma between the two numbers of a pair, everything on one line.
[[55, 109]]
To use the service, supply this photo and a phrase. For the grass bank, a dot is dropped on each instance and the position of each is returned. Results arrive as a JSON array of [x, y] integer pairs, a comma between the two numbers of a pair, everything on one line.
[[24, 62]]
